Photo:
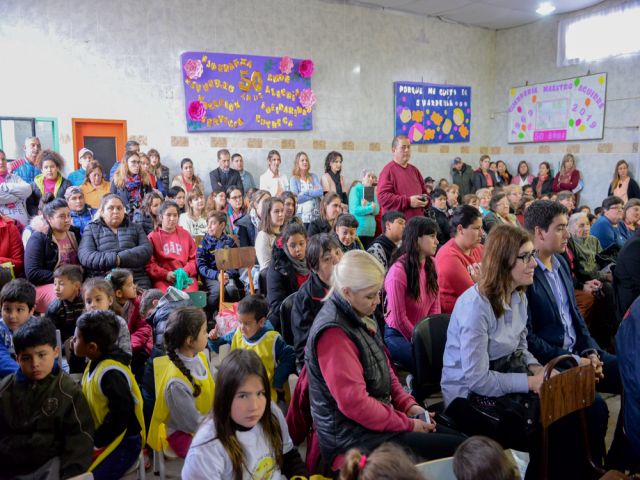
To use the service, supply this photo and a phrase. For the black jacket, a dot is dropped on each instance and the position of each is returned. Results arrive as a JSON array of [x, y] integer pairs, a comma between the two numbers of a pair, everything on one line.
[[246, 231], [100, 247], [145, 220], [336, 432], [633, 190], [627, 273], [281, 282], [382, 248], [307, 304], [319, 225], [233, 179], [547, 186], [130, 204], [33, 201], [479, 180], [443, 224], [41, 256]]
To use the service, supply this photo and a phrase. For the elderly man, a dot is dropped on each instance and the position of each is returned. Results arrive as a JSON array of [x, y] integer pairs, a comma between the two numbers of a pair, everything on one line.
[[224, 177], [27, 168], [400, 185]]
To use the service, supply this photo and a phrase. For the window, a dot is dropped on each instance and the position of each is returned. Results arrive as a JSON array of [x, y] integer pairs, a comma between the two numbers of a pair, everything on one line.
[[14, 130], [595, 36]]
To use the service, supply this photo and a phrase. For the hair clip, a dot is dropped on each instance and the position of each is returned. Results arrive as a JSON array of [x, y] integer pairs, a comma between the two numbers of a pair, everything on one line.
[[362, 462]]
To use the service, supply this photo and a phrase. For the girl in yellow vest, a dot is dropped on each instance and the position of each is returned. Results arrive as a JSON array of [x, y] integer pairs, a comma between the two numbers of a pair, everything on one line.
[[183, 383], [247, 436], [112, 394], [256, 333]]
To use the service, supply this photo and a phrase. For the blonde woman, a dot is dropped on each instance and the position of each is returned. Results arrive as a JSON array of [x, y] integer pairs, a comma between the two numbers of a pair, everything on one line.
[[307, 187], [623, 185]]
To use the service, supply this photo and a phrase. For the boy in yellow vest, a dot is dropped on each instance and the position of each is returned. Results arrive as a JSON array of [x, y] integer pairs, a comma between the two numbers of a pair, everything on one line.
[[252, 334], [112, 393]]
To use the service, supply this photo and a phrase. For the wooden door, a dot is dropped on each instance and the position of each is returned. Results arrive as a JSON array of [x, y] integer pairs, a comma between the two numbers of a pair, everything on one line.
[[105, 138]]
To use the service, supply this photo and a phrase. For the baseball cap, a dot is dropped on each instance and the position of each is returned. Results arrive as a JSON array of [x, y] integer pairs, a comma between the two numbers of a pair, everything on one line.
[[84, 151], [456, 161], [69, 192]]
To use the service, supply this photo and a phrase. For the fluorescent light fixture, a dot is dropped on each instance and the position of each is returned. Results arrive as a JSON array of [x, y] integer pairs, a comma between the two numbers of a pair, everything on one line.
[[545, 8]]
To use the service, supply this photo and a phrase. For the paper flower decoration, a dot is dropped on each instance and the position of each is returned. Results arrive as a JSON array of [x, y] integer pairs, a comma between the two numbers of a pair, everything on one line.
[[196, 110], [307, 98], [286, 65], [306, 68], [193, 69]]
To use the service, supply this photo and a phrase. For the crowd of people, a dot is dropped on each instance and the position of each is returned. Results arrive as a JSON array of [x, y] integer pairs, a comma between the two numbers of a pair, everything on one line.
[[100, 274]]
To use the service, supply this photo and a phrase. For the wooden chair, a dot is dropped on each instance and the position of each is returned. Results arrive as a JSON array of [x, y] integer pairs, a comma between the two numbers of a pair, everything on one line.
[[235, 258], [570, 391]]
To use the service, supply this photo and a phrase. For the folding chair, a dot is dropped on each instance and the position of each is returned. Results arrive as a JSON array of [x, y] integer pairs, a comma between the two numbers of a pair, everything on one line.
[[428, 341], [235, 258]]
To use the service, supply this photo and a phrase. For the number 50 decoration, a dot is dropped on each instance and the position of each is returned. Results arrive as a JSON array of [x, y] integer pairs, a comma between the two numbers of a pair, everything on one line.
[[229, 92]]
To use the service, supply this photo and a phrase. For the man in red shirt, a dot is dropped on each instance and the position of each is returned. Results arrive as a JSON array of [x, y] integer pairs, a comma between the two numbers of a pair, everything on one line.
[[400, 185]]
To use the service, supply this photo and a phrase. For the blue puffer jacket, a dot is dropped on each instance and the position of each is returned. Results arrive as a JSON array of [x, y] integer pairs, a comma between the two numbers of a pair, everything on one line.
[[82, 218], [206, 256]]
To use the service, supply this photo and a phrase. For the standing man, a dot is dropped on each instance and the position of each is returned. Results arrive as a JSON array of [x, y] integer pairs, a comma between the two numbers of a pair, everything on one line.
[[237, 163], [130, 146], [27, 168], [400, 185], [77, 177], [462, 175], [223, 177]]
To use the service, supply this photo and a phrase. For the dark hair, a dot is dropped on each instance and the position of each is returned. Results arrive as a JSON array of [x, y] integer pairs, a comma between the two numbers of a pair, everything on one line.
[[19, 290], [235, 155], [387, 462], [231, 188], [131, 143], [523, 203], [331, 157], [438, 192], [55, 157], [417, 227], [266, 225], [52, 204], [495, 199], [118, 277], [100, 327], [546, 164], [464, 215], [166, 205], [233, 372], [183, 323], [390, 217], [221, 152], [318, 245], [255, 305], [565, 194], [185, 160], [290, 230], [597, 211], [479, 458], [221, 217], [34, 333], [325, 201], [148, 200], [611, 201], [273, 153], [174, 191], [290, 195], [346, 220], [148, 297], [71, 272], [541, 214], [523, 162], [97, 283]]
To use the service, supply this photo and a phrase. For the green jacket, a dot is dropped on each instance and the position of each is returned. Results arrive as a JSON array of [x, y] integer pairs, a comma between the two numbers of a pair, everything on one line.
[[366, 215], [41, 420]]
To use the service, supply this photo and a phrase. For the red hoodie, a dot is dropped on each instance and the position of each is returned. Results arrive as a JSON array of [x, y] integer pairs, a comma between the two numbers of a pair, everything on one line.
[[11, 247], [140, 330], [170, 252]]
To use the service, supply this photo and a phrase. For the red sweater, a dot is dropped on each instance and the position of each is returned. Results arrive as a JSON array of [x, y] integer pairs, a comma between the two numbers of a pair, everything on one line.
[[559, 186], [11, 247], [140, 330], [453, 268], [341, 368], [395, 187], [170, 252]]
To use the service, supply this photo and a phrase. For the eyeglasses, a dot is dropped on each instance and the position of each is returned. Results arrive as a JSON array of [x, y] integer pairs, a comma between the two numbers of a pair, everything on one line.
[[526, 257]]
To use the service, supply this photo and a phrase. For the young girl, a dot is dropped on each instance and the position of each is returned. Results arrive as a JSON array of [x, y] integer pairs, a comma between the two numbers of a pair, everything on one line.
[[194, 220], [386, 461], [330, 208], [98, 294], [247, 436], [411, 286], [49, 181], [130, 182], [183, 382], [217, 201], [126, 295], [271, 221], [145, 164], [187, 180], [147, 216], [290, 203]]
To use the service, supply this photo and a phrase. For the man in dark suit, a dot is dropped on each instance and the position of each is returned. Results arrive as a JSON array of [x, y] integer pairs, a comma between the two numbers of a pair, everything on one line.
[[555, 325], [224, 177]]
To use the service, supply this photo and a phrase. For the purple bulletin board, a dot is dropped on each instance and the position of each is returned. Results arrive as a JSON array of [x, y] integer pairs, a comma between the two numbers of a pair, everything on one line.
[[229, 92]]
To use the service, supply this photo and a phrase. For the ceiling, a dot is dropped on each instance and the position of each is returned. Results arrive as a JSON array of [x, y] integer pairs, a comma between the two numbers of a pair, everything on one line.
[[493, 14]]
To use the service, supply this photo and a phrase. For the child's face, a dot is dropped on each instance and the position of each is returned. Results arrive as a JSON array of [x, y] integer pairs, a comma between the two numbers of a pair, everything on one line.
[[97, 300], [128, 290], [215, 228], [297, 246], [200, 342], [80, 347], [37, 362], [65, 288], [289, 208], [249, 403], [180, 199], [15, 314], [197, 204], [428, 244], [155, 203], [221, 200], [346, 235], [395, 229], [329, 259], [248, 324]]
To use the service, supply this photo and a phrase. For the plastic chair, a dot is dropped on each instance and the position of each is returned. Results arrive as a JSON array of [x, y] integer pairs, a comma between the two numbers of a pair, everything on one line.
[[285, 318], [570, 391], [428, 341], [235, 258]]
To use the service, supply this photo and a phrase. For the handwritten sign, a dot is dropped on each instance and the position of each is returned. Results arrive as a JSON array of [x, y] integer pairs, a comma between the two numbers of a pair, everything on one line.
[[229, 92], [430, 113], [571, 109]]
